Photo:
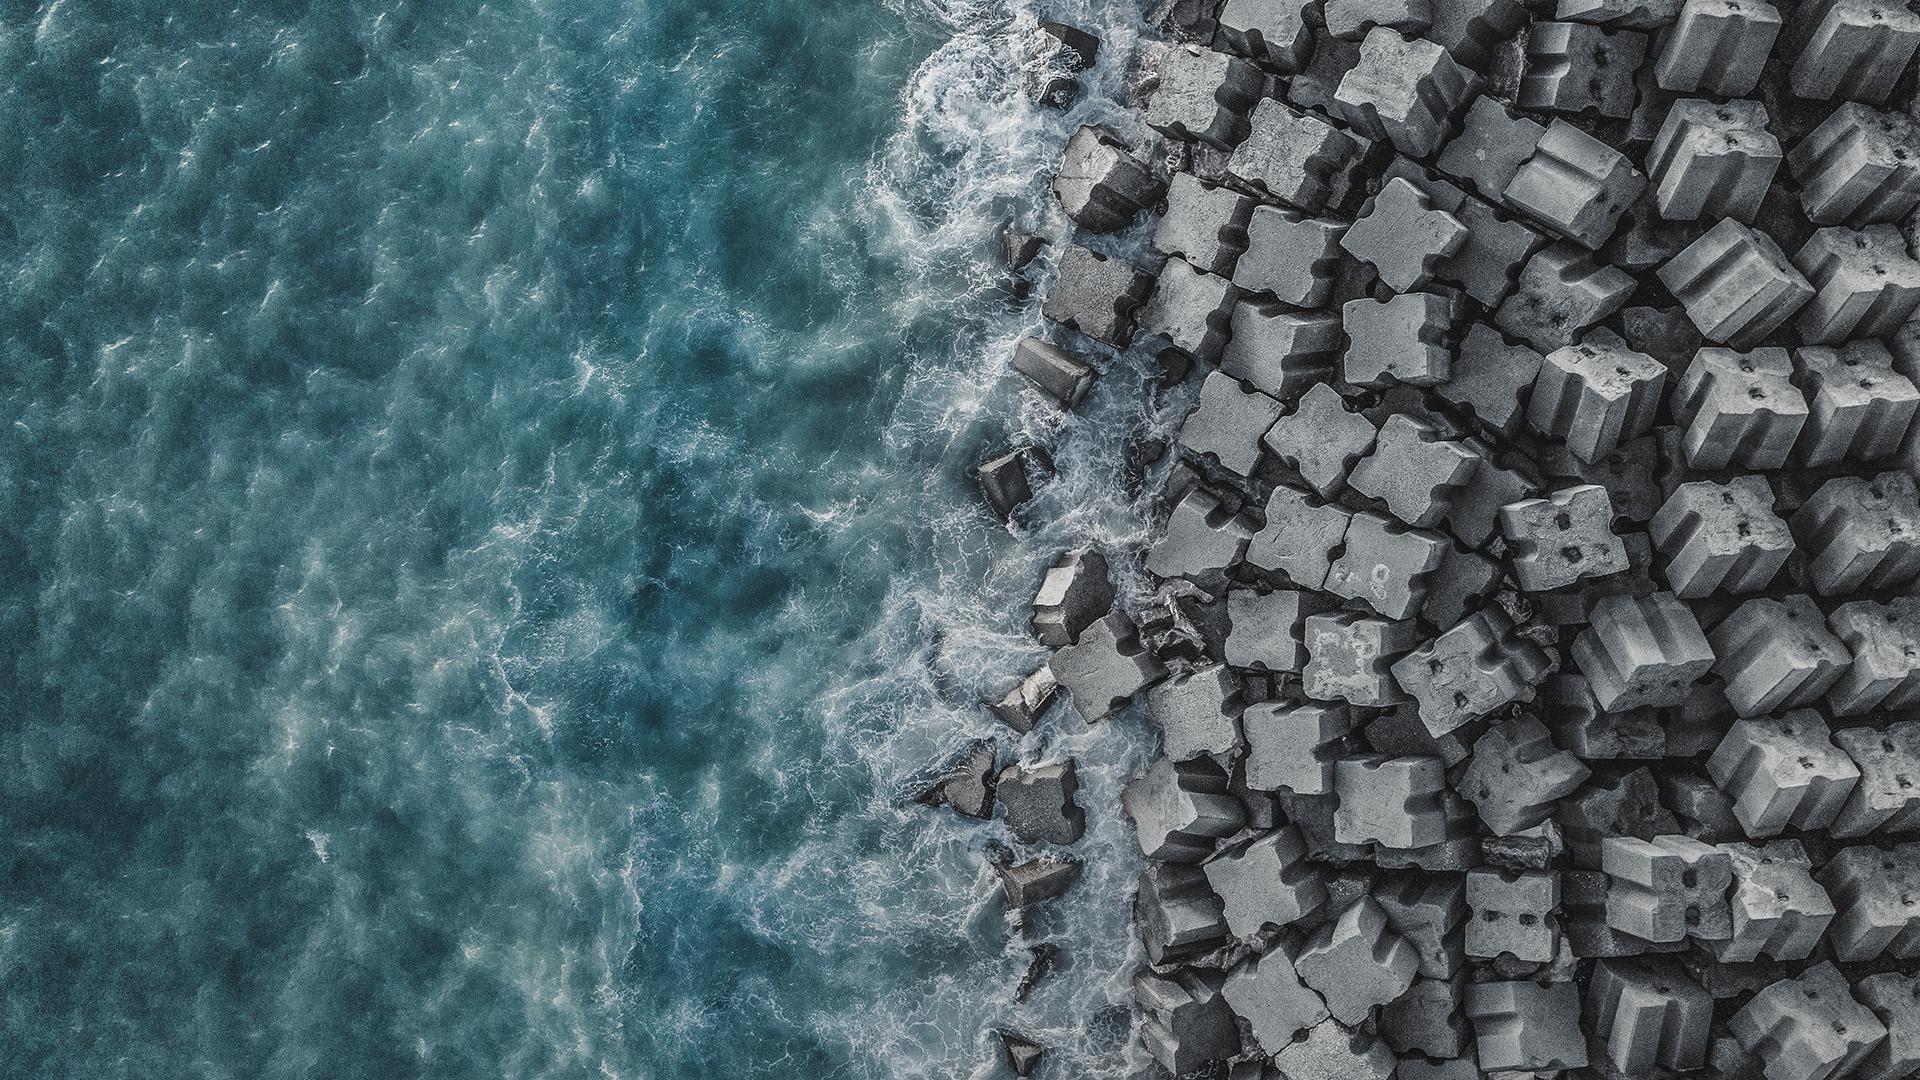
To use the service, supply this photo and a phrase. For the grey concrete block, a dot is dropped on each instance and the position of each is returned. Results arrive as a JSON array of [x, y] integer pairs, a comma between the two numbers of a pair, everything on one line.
[[1884, 639], [1865, 284], [1717, 47], [1191, 309], [1403, 339], [1204, 95], [1272, 32], [1101, 184], [1322, 439], [1512, 914], [1097, 295], [1022, 707], [1721, 537], [1178, 915], [1404, 91], [1299, 538], [1578, 67], [1491, 378], [1779, 911], [1667, 888], [1290, 256], [1561, 292], [1492, 146], [1357, 963], [1267, 993], [1203, 540], [1853, 49], [1278, 351], [1561, 539], [1596, 395], [1740, 408], [1575, 185], [1517, 774], [1053, 370], [1198, 713], [1386, 565], [1774, 654], [1075, 592], [1808, 1028], [1180, 808], [1266, 881], [1403, 237], [1527, 1026], [1641, 651], [1396, 802], [1038, 803], [1348, 656], [1858, 167], [1860, 533], [1292, 746], [1205, 224], [1295, 157], [1186, 1022], [1106, 667], [1713, 161], [1736, 285], [1037, 880], [1783, 773], [1472, 669], [1352, 19], [1647, 1015], [1228, 422]]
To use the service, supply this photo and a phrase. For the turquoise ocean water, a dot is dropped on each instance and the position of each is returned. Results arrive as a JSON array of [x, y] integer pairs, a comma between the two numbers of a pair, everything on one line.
[[486, 540]]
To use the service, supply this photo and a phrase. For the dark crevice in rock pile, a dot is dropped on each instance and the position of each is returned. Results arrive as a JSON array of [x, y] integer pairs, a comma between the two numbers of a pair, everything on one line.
[[1538, 655]]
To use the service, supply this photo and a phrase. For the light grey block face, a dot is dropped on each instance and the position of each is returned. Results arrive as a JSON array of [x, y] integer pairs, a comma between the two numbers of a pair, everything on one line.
[[1550, 464]]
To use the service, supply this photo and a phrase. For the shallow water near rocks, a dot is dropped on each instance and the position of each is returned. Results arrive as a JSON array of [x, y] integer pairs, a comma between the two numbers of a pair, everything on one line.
[[488, 541]]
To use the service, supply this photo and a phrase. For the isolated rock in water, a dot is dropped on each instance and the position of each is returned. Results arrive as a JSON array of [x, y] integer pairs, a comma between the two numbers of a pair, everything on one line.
[[1022, 706], [1028, 883], [1023, 1054], [1056, 53], [1037, 801], [967, 783]]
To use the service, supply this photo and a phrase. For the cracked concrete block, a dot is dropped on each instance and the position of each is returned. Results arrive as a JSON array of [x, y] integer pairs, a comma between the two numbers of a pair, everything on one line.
[[1191, 309], [1075, 592], [1887, 797], [1179, 808], [1860, 533], [1405, 91], [1884, 638], [1427, 910], [1491, 379], [1895, 1001], [1106, 667], [1290, 256], [1492, 146], [1563, 538], [1713, 161], [1721, 537], [1575, 185], [1266, 881], [1561, 292], [1740, 408], [1330, 1051], [1809, 1028], [1321, 439], [1876, 898], [1198, 712], [1853, 49], [1300, 539], [1647, 1015], [1281, 352], [1667, 888], [1517, 775], [1357, 963], [1579, 725], [1267, 993], [1295, 157], [1266, 628], [1783, 773], [1859, 167], [1204, 95], [1271, 32], [1427, 1019], [1228, 423], [1641, 651], [1865, 284], [1578, 67], [1717, 47], [1348, 655], [1472, 669], [1386, 565], [1022, 707], [1204, 224], [1624, 805], [1779, 911], [1395, 802], [1527, 1026], [1202, 541], [1292, 747], [1178, 915], [1596, 395], [1512, 914], [1101, 184], [1038, 804], [1350, 20], [1736, 285], [1097, 295], [1403, 237], [1414, 471], [1056, 372], [1859, 406], [1776, 654], [1185, 1021], [1403, 339]]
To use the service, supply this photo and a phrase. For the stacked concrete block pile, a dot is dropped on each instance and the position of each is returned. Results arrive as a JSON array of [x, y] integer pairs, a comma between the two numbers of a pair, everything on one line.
[[1551, 483]]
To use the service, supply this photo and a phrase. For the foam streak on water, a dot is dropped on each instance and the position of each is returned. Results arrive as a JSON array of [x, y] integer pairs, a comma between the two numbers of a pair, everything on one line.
[[486, 539]]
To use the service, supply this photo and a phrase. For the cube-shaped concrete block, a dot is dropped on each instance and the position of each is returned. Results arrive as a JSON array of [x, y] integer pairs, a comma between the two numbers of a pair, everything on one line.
[[1648, 1015], [1517, 774], [1774, 654], [1075, 592], [1561, 292], [1275, 33], [1578, 724], [1512, 914], [1295, 157], [1300, 537], [1204, 224], [1178, 915], [1583, 921], [1265, 628], [1721, 537], [1736, 284], [1492, 379], [1783, 773], [1386, 564], [1037, 801], [1357, 963], [1860, 533], [1278, 351], [1865, 284], [1895, 1001], [1101, 184], [1198, 712], [1527, 1026], [1472, 669], [1056, 372], [1228, 423], [1740, 408], [1399, 340], [1858, 168], [1403, 236], [1874, 893], [1179, 808], [1290, 256], [1322, 439], [1563, 538], [1472, 31], [1266, 881], [1203, 539], [1350, 20], [1405, 91], [1712, 161], [1190, 309], [1427, 1019], [1185, 1022], [1349, 656], [1415, 471], [1575, 184], [1641, 651], [1579, 67], [1428, 909], [1884, 638], [1396, 802], [1097, 295], [1292, 746], [1667, 888], [1809, 1028], [1853, 49], [1204, 95], [1106, 667], [1779, 911], [1332, 1051], [1624, 805], [1860, 407], [1717, 47], [1267, 993], [1887, 797], [1492, 145]]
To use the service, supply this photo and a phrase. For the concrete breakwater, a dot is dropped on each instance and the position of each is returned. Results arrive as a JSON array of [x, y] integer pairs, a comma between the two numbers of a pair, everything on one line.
[[1533, 637]]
